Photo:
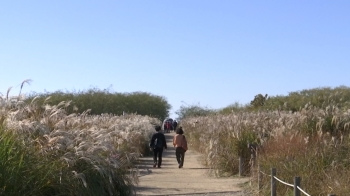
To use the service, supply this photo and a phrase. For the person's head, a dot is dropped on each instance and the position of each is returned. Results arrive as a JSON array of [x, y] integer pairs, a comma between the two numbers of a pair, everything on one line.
[[157, 128], [180, 131]]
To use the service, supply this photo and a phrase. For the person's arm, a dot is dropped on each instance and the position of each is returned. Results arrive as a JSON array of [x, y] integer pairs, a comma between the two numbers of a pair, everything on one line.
[[151, 144], [184, 144], [174, 140], [164, 140]]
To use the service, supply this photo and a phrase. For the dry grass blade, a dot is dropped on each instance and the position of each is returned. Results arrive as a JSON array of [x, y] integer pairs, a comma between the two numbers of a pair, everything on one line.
[[7, 93], [27, 81]]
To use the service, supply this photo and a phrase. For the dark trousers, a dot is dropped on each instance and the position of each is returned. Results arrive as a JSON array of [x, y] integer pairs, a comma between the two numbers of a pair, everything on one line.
[[180, 155], [157, 153]]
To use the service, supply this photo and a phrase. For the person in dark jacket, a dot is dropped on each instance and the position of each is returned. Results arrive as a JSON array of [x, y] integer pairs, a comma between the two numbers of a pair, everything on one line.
[[157, 144], [174, 125]]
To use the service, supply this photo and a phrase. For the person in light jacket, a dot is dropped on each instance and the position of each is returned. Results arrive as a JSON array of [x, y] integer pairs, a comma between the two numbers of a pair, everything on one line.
[[180, 144]]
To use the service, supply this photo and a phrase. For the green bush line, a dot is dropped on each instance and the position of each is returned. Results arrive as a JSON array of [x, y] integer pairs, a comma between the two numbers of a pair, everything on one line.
[[103, 101], [294, 101]]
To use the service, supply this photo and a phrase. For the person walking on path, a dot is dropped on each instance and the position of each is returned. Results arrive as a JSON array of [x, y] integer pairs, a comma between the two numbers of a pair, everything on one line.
[[180, 144], [174, 125], [157, 144], [167, 126]]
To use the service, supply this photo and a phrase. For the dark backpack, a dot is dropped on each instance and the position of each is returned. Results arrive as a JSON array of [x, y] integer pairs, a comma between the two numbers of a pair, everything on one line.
[[158, 143]]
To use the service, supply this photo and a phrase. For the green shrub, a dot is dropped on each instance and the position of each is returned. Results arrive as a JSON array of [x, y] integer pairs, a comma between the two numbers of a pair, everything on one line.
[[23, 171]]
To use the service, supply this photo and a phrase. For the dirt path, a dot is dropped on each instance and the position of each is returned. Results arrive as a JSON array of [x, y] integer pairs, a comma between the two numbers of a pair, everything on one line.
[[192, 179]]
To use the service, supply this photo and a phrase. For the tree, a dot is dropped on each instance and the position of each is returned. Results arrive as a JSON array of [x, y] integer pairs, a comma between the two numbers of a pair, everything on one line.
[[193, 111], [258, 101]]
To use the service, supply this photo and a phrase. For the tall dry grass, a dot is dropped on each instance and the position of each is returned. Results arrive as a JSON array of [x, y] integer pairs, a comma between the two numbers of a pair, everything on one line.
[[76, 154], [312, 143]]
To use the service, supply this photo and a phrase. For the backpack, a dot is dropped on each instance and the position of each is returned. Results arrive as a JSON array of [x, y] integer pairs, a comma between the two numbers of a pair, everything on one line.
[[158, 143]]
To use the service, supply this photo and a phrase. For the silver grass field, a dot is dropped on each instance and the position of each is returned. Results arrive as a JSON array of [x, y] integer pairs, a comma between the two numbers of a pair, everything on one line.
[[75, 154], [312, 143]]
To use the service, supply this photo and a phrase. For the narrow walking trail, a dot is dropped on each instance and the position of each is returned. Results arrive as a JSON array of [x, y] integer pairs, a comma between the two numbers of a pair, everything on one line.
[[192, 179]]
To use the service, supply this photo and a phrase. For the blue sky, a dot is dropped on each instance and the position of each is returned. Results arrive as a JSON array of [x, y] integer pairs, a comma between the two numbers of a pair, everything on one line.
[[212, 53]]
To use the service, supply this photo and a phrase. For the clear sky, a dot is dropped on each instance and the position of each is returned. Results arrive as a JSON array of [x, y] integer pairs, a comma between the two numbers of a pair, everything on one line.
[[212, 53]]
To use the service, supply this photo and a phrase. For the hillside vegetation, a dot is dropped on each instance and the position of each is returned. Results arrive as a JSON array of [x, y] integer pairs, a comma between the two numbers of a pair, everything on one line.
[[86, 143], [49, 148], [303, 134]]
